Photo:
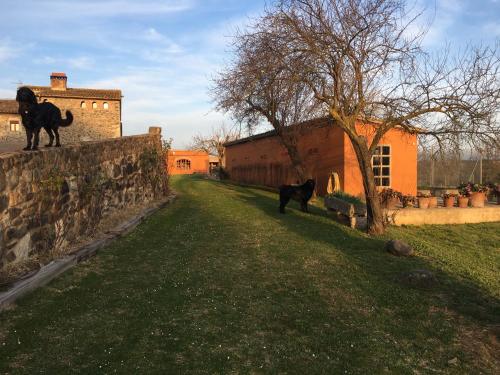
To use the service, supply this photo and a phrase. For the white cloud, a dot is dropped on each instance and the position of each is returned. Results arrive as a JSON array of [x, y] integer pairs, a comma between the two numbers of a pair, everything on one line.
[[79, 62], [492, 28], [97, 8], [82, 62], [436, 19], [8, 50], [45, 60]]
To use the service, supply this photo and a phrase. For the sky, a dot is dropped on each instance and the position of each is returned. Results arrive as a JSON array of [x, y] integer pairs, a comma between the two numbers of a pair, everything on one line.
[[163, 54]]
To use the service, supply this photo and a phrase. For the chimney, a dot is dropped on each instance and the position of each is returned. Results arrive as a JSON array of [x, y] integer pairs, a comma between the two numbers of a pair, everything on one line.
[[58, 81]]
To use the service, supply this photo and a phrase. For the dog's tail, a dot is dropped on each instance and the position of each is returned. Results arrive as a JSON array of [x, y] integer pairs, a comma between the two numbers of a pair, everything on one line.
[[68, 120]]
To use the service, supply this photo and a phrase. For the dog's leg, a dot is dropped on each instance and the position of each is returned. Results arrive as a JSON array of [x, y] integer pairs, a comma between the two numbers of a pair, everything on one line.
[[51, 137], [36, 139], [56, 132], [283, 203], [303, 206], [29, 135]]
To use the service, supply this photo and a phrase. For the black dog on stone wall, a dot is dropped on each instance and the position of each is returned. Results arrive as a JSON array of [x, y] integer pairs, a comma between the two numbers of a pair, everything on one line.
[[36, 116], [301, 193]]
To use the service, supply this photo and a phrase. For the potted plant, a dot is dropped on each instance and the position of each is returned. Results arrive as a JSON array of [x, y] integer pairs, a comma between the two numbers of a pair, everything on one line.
[[475, 192], [463, 201], [449, 200], [389, 198], [408, 201], [423, 200], [433, 202]]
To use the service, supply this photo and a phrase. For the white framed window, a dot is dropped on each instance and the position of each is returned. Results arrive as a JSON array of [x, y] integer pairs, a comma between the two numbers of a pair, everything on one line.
[[83, 104], [15, 126], [381, 164], [105, 105], [183, 164], [94, 105]]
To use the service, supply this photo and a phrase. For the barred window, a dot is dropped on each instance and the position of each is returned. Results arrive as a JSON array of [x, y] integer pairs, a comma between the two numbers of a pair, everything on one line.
[[381, 163], [184, 164]]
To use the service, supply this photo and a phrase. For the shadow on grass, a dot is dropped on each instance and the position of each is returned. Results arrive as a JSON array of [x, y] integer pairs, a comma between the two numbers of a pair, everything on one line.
[[461, 295], [196, 289]]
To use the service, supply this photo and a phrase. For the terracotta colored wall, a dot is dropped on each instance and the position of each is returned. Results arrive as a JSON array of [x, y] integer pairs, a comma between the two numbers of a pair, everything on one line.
[[403, 162], [325, 149], [198, 159], [266, 162]]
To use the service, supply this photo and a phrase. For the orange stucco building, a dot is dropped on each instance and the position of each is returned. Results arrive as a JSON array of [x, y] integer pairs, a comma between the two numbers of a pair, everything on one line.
[[187, 162], [325, 148]]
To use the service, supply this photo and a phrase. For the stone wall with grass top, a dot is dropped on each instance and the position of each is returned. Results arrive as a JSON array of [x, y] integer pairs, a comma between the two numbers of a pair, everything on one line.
[[53, 197]]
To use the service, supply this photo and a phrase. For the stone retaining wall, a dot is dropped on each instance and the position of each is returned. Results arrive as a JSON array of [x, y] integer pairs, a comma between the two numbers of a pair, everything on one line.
[[53, 197]]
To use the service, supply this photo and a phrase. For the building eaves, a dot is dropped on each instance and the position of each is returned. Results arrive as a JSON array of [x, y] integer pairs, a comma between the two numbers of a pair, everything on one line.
[[314, 123], [77, 93]]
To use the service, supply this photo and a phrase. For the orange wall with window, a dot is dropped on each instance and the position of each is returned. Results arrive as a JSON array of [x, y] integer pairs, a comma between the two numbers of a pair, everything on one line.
[[402, 159], [187, 162], [262, 159]]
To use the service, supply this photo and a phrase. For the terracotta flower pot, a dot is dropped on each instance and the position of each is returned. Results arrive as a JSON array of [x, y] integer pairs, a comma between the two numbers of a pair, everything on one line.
[[423, 202], [463, 202], [477, 199], [449, 202], [433, 202]]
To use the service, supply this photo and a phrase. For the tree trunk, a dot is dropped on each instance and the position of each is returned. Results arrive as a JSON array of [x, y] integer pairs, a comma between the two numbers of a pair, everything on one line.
[[296, 160], [374, 210]]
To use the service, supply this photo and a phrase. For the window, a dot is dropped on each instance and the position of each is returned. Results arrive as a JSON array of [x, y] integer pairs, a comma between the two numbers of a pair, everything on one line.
[[94, 105], [83, 105], [381, 163], [184, 164], [106, 105], [14, 126]]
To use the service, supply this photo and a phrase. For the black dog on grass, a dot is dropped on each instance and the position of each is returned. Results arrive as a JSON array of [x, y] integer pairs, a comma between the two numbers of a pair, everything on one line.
[[36, 116], [301, 193]]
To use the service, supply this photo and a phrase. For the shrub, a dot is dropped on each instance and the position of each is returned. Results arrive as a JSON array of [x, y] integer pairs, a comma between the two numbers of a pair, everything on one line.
[[346, 197]]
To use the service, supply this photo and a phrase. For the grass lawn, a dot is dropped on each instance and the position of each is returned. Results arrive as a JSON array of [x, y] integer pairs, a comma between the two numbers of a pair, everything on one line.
[[220, 282]]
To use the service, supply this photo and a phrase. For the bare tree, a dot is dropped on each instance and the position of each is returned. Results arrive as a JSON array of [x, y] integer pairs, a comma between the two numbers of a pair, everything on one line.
[[362, 64], [256, 87], [213, 143]]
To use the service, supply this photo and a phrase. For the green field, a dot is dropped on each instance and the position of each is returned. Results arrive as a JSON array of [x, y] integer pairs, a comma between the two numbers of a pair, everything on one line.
[[219, 282]]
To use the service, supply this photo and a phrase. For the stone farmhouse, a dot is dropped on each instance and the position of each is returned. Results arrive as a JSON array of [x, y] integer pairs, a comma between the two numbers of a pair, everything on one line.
[[325, 148], [97, 113]]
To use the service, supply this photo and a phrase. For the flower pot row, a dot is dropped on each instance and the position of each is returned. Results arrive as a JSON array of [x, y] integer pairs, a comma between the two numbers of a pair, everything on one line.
[[476, 199]]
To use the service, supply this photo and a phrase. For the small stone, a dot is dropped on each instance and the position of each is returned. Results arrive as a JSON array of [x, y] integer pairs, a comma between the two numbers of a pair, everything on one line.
[[453, 361], [419, 279], [398, 248]]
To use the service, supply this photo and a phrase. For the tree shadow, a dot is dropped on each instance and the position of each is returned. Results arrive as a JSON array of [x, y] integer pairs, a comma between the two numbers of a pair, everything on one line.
[[451, 292]]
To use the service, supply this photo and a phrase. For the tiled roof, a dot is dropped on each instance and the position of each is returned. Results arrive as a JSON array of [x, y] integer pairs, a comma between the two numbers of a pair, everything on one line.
[[9, 106], [78, 93]]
